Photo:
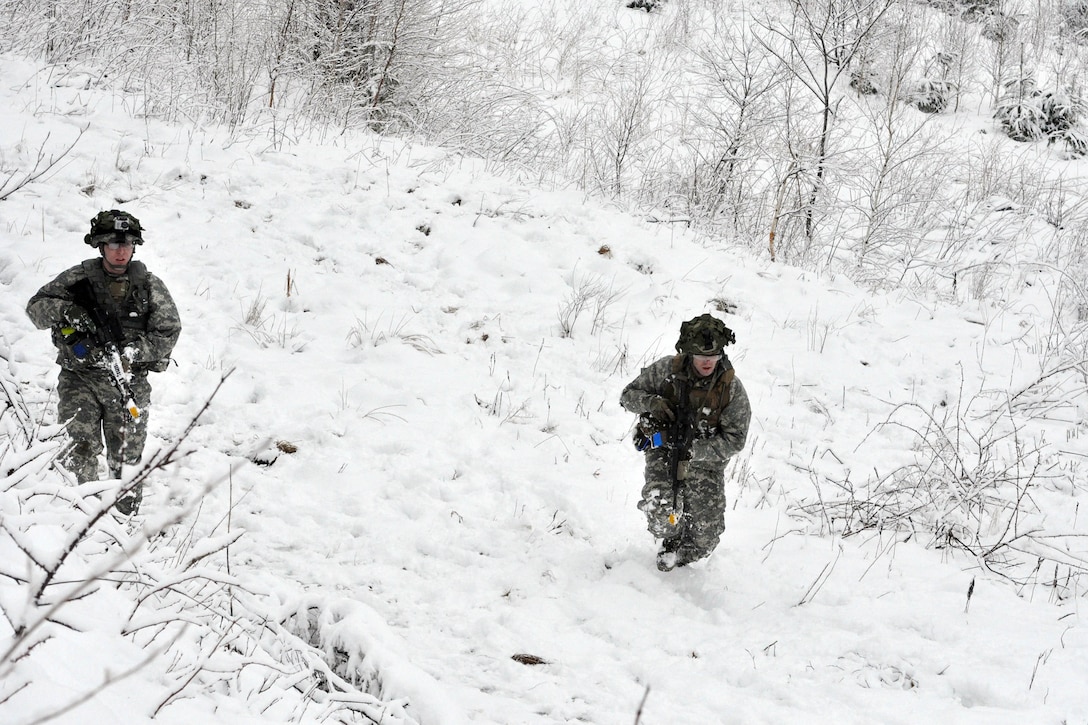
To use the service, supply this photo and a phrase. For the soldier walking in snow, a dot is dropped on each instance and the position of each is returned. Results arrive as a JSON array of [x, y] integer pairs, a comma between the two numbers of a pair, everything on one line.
[[112, 323], [694, 418]]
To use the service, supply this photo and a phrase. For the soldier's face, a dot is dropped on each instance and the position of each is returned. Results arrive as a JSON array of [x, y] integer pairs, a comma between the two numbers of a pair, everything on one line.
[[705, 364], [116, 256]]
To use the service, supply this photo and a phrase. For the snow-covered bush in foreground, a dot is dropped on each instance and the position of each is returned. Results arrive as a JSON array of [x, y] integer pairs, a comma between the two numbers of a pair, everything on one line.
[[146, 613]]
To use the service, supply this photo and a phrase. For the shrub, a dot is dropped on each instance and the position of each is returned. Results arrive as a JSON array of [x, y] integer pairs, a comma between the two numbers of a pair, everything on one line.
[[1076, 142], [931, 96], [974, 10], [864, 83], [973, 486], [1061, 112], [647, 5], [1075, 19], [1028, 114], [1021, 117], [1000, 28]]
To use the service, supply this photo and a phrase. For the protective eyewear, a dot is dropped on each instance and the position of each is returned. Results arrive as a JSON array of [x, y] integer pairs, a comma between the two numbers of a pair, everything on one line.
[[127, 243]]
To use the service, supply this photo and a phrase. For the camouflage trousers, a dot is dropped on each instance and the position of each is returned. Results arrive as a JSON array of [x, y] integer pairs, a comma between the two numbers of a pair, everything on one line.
[[93, 409], [702, 501]]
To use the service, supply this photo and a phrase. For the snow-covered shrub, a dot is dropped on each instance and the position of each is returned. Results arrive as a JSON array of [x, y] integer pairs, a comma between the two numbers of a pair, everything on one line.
[[647, 5], [1022, 119], [864, 82], [1060, 110], [1074, 14], [973, 486], [148, 603], [1075, 141], [932, 96], [1000, 28], [1028, 114], [975, 10], [948, 6], [1020, 112], [372, 333], [589, 293]]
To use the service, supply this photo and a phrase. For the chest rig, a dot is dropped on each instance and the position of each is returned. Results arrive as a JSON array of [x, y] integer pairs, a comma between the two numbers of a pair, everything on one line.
[[707, 397], [126, 297]]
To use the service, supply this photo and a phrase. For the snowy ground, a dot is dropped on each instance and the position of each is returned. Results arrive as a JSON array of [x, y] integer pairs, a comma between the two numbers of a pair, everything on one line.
[[463, 486]]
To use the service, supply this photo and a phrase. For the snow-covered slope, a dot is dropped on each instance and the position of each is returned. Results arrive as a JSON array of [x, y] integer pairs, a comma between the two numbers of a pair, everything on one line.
[[425, 363]]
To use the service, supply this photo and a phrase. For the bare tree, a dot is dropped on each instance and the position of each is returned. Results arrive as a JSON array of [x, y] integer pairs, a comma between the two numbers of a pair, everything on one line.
[[896, 183], [818, 47], [376, 62], [735, 99], [624, 121]]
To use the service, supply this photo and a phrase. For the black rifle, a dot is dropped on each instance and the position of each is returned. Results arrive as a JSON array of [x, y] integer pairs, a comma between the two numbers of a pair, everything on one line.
[[108, 334], [679, 435]]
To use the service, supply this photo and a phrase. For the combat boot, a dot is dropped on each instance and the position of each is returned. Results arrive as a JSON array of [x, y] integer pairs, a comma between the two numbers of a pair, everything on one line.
[[667, 558], [129, 504], [689, 554]]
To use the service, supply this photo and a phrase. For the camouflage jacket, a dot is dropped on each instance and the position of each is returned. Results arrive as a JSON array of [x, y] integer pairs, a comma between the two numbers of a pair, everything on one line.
[[721, 430], [149, 319]]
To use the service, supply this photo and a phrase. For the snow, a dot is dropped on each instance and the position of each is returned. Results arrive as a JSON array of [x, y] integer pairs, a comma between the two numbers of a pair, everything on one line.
[[446, 480]]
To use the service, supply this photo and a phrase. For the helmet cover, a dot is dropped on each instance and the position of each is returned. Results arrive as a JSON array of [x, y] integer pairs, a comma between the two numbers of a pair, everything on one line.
[[114, 225], [704, 335]]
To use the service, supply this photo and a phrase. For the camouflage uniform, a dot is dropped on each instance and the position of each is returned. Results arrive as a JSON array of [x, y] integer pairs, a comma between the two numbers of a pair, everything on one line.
[[721, 413], [88, 400]]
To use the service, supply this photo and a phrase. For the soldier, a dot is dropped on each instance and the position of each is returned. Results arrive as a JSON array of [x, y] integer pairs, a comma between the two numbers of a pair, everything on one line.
[[105, 305], [694, 418]]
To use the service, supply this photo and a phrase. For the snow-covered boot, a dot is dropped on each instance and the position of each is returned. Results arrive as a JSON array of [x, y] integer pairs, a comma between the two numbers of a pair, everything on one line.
[[129, 504], [667, 555]]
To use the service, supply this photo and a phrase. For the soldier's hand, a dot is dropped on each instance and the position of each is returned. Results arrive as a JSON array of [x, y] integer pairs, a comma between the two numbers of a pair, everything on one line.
[[660, 409], [78, 319], [705, 430], [132, 353]]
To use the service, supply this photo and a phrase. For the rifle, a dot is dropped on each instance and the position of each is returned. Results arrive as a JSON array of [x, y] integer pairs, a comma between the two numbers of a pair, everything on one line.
[[679, 435], [108, 334], [674, 436]]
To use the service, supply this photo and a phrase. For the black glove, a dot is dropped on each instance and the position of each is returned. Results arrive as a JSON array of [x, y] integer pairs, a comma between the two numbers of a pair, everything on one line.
[[78, 319], [660, 409]]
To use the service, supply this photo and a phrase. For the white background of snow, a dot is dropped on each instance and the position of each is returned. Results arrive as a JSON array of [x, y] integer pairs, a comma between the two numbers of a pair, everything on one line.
[[475, 500]]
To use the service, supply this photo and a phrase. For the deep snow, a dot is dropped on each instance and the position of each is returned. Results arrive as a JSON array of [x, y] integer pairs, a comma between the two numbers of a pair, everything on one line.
[[463, 487]]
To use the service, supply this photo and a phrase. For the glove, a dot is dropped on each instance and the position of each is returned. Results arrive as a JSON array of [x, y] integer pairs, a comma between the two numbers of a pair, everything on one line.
[[82, 347], [78, 319], [706, 430], [660, 409], [130, 355]]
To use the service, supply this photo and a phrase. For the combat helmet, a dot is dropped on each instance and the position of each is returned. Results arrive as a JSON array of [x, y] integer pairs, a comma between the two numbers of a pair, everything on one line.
[[114, 225], [704, 335]]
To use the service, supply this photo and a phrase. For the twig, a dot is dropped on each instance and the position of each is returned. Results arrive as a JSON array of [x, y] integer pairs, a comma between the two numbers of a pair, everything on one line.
[[641, 704], [820, 580], [38, 171]]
